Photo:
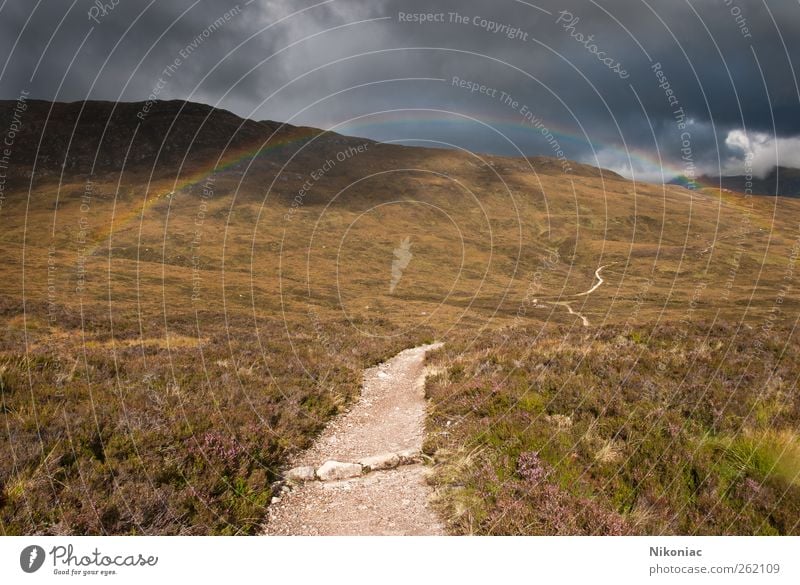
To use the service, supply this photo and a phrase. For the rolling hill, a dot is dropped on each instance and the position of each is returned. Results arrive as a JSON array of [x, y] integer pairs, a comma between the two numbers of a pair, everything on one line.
[[188, 296], [784, 181]]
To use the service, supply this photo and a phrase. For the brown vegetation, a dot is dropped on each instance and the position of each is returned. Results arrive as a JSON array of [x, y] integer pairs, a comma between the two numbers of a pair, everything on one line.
[[177, 321]]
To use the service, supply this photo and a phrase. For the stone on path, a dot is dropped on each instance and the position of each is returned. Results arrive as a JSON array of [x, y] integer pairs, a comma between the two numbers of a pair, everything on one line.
[[382, 461], [333, 470], [409, 456], [298, 474]]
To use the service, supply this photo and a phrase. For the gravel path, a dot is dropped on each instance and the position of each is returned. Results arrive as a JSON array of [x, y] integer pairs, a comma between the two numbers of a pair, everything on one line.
[[388, 417]]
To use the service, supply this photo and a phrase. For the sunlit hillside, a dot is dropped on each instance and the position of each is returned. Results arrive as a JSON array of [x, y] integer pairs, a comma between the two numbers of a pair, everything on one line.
[[187, 300]]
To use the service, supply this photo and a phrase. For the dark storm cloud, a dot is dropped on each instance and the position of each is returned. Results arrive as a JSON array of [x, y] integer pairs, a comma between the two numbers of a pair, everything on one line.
[[729, 66]]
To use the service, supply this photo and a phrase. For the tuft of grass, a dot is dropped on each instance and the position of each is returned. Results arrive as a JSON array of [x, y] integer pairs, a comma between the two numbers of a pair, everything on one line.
[[771, 455]]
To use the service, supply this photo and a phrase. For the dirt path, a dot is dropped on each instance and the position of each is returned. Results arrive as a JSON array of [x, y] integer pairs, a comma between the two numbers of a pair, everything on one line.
[[572, 311], [568, 304], [389, 417], [597, 284]]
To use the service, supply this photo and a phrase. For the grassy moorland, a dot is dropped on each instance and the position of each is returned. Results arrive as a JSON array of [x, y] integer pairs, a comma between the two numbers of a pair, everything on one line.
[[185, 302], [124, 433], [619, 431]]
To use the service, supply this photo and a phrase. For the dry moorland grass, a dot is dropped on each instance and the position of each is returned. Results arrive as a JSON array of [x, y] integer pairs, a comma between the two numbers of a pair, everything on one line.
[[167, 342], [619, 431]]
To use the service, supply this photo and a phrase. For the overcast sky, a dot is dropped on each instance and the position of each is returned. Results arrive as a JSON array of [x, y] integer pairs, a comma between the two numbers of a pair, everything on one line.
[[590, 78]]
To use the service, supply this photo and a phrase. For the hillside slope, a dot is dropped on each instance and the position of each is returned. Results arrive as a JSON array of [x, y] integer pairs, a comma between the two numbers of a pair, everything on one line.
[[187, 301], [783, 181]]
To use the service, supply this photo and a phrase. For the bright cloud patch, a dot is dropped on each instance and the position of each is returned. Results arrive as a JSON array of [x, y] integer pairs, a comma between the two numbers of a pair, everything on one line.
[[760, 153]]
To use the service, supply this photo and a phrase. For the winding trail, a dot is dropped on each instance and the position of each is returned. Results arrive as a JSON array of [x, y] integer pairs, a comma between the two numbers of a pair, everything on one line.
[[568, 304], [599, 282], [389, 417], [572, 311]]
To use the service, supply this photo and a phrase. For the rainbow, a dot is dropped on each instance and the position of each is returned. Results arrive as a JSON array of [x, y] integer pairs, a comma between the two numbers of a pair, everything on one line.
[[232, 158], [647, 163], [384, 124], [642, 162]]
